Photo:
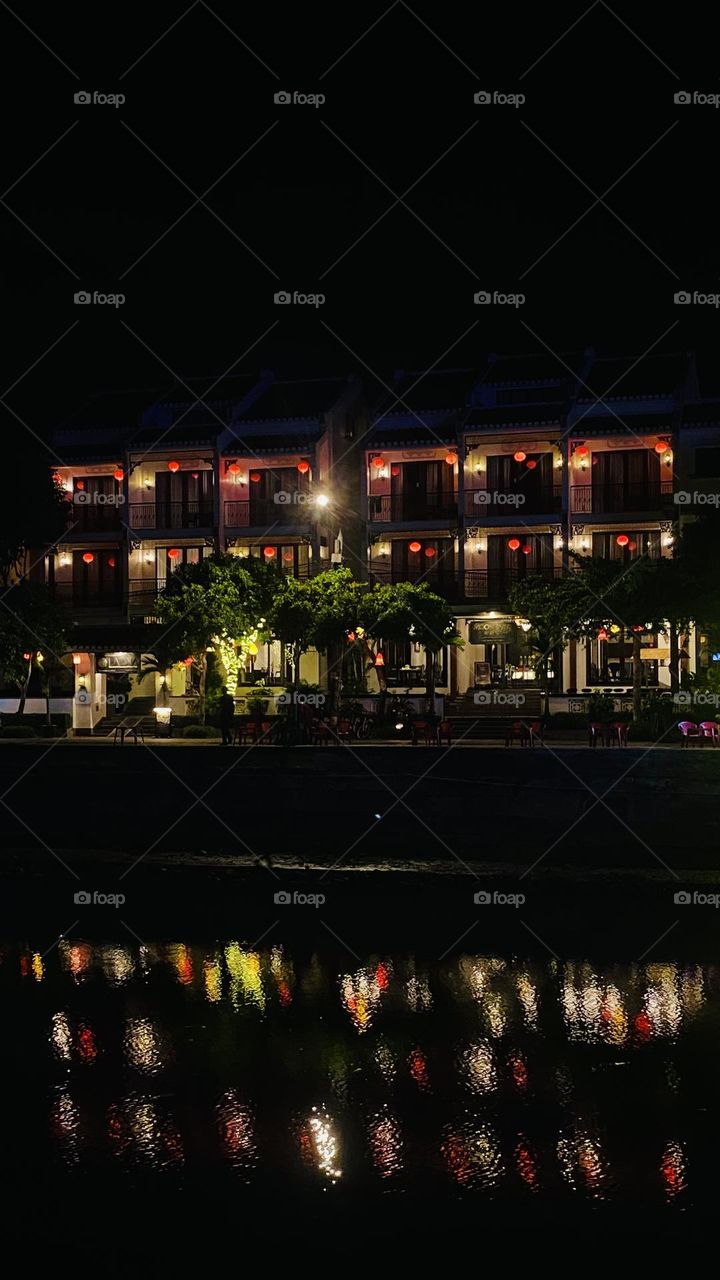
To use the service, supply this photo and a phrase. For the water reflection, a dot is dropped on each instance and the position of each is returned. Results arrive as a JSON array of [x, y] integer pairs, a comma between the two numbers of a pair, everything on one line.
[[569, 1078]]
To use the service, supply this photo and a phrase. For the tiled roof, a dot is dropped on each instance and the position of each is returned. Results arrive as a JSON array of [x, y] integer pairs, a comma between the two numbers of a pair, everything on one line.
[[701, 414], [623, 377], [301, 398], [551, 415], [256, 442], [404, 437]]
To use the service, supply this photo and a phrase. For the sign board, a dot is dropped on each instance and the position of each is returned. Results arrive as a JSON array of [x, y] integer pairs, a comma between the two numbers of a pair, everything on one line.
[[492, 631], [117, 662]]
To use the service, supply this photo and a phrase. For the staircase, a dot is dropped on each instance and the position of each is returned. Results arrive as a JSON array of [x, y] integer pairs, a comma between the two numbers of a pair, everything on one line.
[[488, 721], [137, 708]]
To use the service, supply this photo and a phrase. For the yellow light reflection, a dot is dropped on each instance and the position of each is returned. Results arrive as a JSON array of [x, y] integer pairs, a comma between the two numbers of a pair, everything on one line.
[[143, 1046]]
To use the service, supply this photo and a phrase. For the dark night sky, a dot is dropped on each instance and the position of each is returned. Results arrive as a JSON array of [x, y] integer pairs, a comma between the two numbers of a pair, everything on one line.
[[495, 201]]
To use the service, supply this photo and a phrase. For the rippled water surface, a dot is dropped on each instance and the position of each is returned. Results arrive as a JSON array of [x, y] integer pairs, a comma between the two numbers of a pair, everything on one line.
[[483, 1076]]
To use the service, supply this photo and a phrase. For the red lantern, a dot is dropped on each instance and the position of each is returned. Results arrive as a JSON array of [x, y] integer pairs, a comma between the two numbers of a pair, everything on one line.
[[173, 553], [526, 549], [378, 462], [582, 451], [531, 464], [395, 470], [27, 656], [255, 477], [632, 546], [269, 552], [451, 459], [173, 466], [234, 468], [519, 456], [351, 637], [119, 474], [514, 544], [188, 662], [379, 660], [111, 562], [57, 477], [88, 557], [602, 634], [430, 552], [303, 467], [79, 484], [195, 475], [414, 546], [622, 540], [662, 447], [288, 557]]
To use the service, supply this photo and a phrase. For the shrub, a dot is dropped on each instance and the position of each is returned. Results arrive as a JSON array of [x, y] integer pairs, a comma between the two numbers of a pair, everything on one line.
[[17, 731], [200, 731]]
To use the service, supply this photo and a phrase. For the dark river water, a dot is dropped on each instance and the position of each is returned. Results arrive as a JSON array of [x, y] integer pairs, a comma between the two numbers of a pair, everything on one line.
[[483, 1078]]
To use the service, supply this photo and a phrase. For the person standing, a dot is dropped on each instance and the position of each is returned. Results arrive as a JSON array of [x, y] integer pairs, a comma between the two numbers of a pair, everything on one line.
[[227, 715]]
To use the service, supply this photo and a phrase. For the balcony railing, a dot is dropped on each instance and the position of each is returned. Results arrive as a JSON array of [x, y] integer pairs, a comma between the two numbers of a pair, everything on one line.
[[405, 507], [171, 515], [263, 513], [91, 518], [512, 502], [586, 499], [72, 595], [491, 586]]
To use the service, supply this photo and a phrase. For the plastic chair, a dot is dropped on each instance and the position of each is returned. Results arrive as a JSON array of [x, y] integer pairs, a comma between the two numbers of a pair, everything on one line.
[[690, 733], [711, 729], [598, 733], [444, 732], [619, 733], [534, 732], [517, 729]]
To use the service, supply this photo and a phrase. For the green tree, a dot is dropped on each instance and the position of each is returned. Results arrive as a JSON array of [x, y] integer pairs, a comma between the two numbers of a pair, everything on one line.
[[291, 619], [410, 611], [556, 609], [31, 633], [336, 597], [206, 606]]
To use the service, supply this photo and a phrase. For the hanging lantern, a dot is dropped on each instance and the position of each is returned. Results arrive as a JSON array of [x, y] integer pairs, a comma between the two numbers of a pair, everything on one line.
[[451, 459], [288, 557], [430, 552], [395, 470], [111, 562], [582, 451], [378, 462], [638, 627], [195, 475], [173, 466], [303, 467], [527, 549], [269, 552], [187, 662], [79, 484], [519, 456], [27, 656], [119, 474], [173, 553], [662, 447], [602, 634], [379, 660], [88, 557], [632, 546], [622, 540], [531, 464], [414, 546], [255, 477], [514, 544], [234, 468]]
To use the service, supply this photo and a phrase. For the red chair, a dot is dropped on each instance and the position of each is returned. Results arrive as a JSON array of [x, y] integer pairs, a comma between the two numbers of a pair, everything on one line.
[[534, 732], [711, 729], [619, 733], [690, 733], [598, 733], [345, 731], [517, 729], [444, 732]]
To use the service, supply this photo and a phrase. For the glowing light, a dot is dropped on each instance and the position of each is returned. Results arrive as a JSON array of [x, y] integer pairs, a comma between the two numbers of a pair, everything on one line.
[[602, 634], [622, 540], [303, 467], [451, 459], [143, 1047], [324, 1145], [386, 1144], [531, 464], [414, 547], [76, 659], [212, 980], [519, 456], [322, 500], [378, 463], [88, 557], [514, 544], [632, 545], [234, 468], [173, 466], [255, 477], [395, 470], [582, 451], [269, 553], [118, 474], [527, 549], [430, 552], [173, 553], [662, 447]]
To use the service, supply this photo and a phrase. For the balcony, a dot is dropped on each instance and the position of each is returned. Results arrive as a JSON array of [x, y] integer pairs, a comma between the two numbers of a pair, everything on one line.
[[265, 513], [608, 499], [406, 508], [468, 585], [74, 597], [171, 515], [92, 518], [480, 503]]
